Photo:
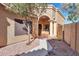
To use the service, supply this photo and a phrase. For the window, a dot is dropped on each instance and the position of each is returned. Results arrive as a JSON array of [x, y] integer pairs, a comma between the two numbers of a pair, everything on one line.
[[20, 27]]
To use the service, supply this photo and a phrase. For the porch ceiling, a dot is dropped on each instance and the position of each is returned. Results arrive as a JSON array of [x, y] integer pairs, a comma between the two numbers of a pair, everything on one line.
[[44, 20]]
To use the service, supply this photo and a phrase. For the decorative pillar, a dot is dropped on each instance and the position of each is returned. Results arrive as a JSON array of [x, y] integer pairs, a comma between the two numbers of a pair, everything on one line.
[[55, 29], [35, 27], [55, 24], [51, 28]]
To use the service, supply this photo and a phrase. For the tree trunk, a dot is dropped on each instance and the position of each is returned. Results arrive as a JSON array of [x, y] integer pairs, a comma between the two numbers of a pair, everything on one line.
[[28, 34]]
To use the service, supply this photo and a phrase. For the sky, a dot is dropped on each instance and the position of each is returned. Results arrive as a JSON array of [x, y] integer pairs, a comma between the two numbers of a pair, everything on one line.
[[58, 5]]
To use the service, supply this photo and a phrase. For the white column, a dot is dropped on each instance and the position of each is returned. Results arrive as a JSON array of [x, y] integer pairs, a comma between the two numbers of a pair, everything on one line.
[[51, 28], [55, 29], [37, 26], [55, 24]]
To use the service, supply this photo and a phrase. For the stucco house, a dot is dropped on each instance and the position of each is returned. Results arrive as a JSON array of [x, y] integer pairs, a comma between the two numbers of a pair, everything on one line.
[[49, 25]]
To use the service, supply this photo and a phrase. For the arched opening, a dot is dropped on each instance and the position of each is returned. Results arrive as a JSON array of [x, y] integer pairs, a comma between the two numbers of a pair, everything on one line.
[[43, 26]]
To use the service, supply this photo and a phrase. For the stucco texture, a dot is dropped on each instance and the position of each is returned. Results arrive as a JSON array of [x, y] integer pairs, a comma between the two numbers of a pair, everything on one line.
[[7, 27]]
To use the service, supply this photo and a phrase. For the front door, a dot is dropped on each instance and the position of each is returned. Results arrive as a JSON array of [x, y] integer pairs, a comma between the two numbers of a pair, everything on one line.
[[39, 29]]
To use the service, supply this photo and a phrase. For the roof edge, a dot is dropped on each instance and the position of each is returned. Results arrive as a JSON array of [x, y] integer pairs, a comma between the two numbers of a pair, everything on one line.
[[56, 9]]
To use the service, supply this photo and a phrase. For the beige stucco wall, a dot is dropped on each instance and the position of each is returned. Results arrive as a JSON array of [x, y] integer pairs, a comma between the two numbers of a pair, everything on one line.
[[11, 38], [34, 27], [59, 19], [49, 12], [7, 28], [3, 29]]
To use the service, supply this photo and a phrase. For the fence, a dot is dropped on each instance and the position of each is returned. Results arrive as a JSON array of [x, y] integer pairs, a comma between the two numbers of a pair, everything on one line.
[[71, 35]]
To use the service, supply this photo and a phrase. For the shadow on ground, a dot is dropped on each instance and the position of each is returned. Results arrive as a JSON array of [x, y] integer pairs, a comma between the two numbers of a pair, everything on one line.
[[39, 52], [59, 48]]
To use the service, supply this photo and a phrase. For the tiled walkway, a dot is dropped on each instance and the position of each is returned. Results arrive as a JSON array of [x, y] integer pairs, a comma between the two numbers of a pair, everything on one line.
[[18, 48], [60, 48]]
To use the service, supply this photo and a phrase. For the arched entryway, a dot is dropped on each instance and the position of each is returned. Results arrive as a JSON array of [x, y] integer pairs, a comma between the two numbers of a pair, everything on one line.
[[43, 26]]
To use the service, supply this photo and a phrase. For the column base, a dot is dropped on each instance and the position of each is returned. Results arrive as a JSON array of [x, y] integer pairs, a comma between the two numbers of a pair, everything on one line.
[[52, 37]]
